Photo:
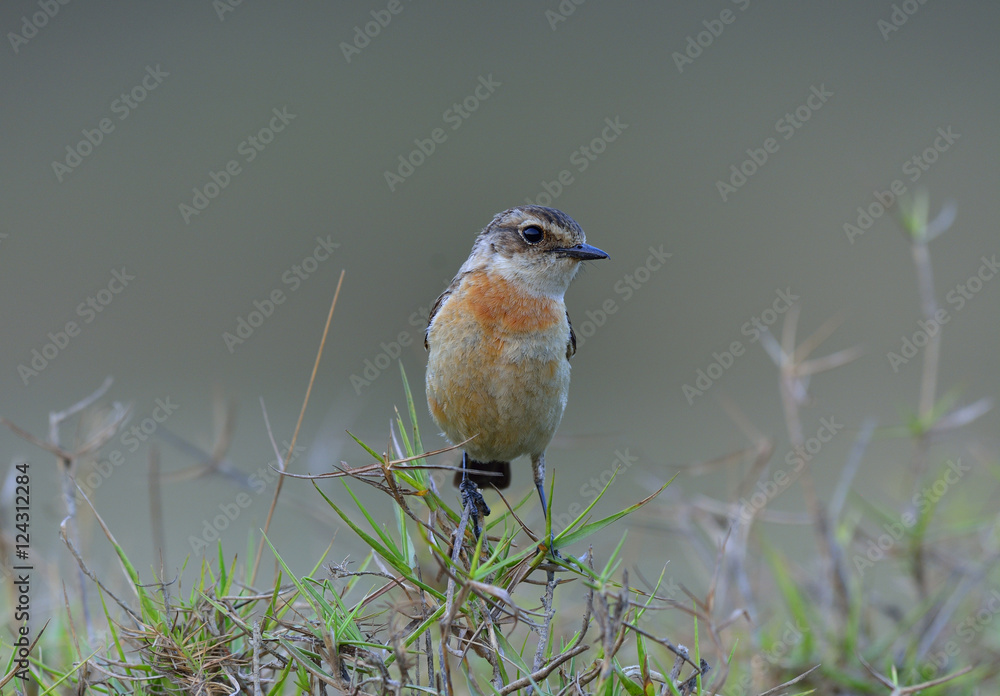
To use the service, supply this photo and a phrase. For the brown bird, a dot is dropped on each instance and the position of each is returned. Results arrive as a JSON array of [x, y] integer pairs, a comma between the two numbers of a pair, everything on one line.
[[500, 341]]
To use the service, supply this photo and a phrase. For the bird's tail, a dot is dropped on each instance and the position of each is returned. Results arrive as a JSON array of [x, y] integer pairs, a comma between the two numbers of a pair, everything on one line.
[[498, 474]]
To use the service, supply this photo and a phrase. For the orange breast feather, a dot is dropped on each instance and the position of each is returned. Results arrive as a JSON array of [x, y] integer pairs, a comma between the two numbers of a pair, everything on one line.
[[498, 304]]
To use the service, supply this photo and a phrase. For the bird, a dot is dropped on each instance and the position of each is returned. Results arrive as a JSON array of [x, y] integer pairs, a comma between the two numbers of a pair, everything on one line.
[[499, 341]]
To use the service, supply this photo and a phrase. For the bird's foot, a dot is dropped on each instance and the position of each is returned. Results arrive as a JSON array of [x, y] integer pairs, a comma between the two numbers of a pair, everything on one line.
[[551, 545], [473, 501]]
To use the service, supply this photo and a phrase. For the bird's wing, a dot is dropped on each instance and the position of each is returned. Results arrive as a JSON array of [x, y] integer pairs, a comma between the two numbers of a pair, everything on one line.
[[571, 344], [437, 306]]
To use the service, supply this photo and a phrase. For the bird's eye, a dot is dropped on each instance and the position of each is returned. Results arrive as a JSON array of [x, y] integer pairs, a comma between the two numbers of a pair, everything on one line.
[[532, 235]]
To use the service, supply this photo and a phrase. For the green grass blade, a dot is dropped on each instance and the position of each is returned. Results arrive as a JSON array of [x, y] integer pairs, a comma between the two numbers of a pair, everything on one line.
[[367, 449], [566, 537]]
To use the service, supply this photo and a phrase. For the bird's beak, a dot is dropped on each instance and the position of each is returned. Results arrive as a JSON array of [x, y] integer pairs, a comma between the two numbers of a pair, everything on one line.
[[584, 252]]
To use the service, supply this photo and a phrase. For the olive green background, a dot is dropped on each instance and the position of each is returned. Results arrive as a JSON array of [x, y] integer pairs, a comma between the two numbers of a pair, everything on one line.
[[548, 86]]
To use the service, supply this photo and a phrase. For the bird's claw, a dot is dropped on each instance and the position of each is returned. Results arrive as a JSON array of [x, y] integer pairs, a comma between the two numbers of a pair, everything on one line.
[[473, 500], [550, 546]]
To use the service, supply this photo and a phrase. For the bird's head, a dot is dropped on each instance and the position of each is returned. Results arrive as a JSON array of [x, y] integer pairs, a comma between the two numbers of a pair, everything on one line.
[[536, 247]]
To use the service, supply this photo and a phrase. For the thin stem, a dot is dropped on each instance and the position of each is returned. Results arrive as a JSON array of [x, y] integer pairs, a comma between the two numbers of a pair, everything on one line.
[[928, 308], [298, 424]]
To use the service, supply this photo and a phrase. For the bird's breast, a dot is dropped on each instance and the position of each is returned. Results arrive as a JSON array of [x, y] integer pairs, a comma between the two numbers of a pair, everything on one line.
[[499, 305], [497, 367]]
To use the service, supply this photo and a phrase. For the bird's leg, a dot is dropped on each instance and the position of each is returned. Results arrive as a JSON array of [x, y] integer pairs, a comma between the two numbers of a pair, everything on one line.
[[472, 499], [538, 469]]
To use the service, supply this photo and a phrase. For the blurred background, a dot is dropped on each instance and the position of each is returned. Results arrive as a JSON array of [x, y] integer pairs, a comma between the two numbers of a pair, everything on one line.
[[184, 182]]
